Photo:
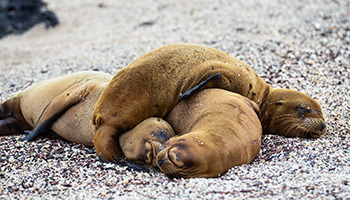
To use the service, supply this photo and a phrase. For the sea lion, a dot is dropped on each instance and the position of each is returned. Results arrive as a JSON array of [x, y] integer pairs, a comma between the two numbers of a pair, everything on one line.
[[152, 84], [64, 106], [217, 130]]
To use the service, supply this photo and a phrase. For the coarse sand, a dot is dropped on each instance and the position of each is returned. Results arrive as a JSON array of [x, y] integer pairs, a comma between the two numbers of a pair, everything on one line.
[[302, 45]]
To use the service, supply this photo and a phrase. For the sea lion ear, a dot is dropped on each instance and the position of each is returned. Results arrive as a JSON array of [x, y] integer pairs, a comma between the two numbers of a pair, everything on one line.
[[280, 102]]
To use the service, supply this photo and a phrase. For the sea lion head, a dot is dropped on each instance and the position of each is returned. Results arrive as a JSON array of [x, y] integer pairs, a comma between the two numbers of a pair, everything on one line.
[[142, 143], [292, 113]]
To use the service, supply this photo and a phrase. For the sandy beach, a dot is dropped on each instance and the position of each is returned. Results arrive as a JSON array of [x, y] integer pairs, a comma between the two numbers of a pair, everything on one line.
[[301, 45]]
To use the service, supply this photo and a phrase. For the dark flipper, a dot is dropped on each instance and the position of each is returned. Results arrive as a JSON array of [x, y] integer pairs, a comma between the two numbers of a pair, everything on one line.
[[31, 135], [42, 114], [196, 88], [130, 165], [56, 108], [135, 167]]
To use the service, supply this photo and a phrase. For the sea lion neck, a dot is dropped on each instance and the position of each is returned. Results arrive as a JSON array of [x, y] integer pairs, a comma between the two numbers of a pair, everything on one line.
[[264, 105]]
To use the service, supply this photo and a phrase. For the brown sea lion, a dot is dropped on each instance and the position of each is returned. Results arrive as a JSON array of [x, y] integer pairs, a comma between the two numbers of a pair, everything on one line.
[[153, 83], [218, 130], [64, 105]]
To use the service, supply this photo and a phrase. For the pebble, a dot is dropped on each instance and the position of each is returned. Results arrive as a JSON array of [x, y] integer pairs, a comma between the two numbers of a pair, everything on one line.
[[297, 45]]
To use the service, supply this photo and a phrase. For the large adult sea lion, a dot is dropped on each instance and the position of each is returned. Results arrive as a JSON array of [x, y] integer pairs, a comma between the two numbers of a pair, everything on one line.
[[64, 106], [153, 83], [217, 130]]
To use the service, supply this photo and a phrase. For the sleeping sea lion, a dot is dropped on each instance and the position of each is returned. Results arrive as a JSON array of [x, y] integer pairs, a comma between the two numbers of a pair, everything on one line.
[[64, 106], [142, 143], [152, 85], [217, 130]]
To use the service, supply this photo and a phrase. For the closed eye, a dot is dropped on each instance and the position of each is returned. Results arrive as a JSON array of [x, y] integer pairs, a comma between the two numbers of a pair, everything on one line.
[[301, 110], [278, 103]]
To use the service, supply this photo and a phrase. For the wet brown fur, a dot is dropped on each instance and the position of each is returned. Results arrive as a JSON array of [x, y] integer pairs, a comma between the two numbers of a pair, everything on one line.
[[152, 84], [218, 130], [76, 95]]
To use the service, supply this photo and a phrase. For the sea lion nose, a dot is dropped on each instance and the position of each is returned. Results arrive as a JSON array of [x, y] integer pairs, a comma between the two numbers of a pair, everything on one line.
[[323, 126], [160, 162]]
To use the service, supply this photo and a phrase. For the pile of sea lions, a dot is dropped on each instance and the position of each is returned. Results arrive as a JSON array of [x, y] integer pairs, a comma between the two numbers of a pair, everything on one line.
[[190, 110]]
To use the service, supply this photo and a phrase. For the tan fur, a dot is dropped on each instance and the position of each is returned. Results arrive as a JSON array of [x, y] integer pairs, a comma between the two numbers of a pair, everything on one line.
[[76, 95], [152, 84], [142, 143], [218, 130]]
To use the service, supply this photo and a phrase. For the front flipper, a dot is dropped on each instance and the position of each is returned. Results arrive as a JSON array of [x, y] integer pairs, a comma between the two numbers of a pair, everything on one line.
[[107, 145], [58, 106], [196, 88], [130, 165]]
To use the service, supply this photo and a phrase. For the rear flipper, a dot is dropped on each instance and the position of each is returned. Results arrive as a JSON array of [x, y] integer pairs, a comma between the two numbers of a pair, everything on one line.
[[57, 107], [196, 88], [11, 117]]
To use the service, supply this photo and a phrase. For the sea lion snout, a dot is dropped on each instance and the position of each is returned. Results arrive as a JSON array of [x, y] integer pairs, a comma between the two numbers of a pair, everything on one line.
[[179, 158], [315, 127]]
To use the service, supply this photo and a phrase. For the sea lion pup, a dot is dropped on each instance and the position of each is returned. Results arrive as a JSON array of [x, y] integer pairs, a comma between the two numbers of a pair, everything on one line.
[[142, 143], [64, 105], [152, 84], [217, 130]]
